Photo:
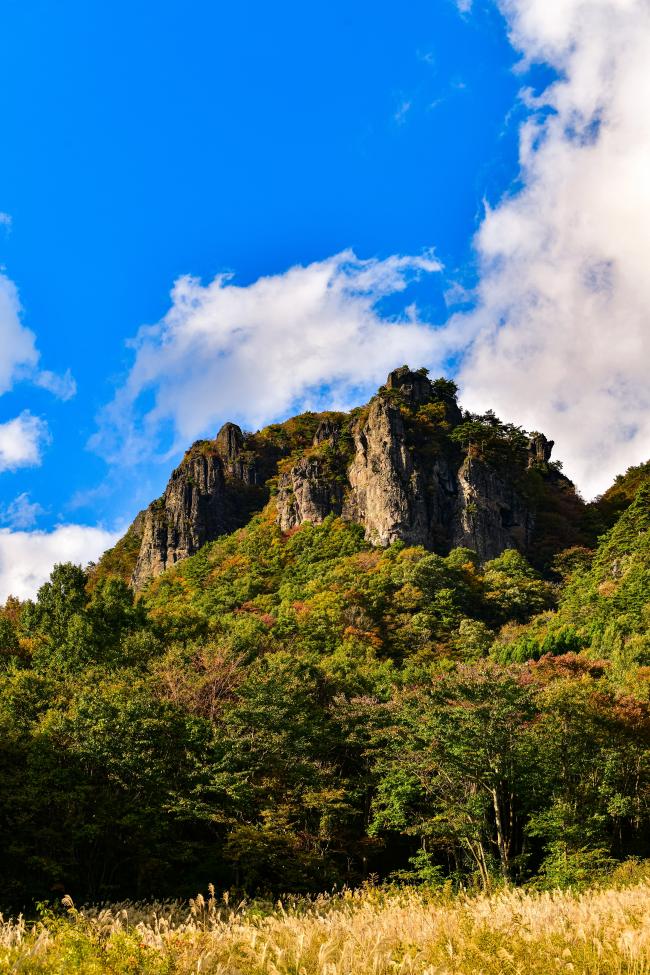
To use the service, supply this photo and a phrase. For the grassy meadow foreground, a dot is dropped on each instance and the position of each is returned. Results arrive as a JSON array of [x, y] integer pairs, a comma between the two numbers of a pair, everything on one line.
[[605, 931]]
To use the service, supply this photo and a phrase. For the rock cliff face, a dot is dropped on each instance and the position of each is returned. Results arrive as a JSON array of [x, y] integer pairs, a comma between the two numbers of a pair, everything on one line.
[[408, 479], [396, 490], [189, 513], [408, 466], [313, 487], [306, 493], [490, 515], [387, 486], [214, 490]]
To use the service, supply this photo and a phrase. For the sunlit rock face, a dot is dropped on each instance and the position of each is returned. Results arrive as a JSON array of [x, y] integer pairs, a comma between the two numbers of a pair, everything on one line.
[[394, 466], [215, 489]]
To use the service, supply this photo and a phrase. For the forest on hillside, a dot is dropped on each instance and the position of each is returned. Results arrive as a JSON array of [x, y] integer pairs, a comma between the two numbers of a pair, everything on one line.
[[288, 712]]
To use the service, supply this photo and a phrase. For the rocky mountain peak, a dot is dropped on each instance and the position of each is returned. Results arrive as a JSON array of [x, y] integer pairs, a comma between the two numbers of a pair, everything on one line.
[[215, 489], [539, 449], [229, 442], [407, 466], [415, 389], [414, 386]]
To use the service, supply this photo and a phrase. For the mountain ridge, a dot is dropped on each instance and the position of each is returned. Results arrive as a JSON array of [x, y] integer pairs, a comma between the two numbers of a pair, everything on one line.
[[408, 466]]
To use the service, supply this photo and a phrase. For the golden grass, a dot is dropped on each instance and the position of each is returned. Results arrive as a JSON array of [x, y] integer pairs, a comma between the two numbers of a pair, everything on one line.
[[371, 932]]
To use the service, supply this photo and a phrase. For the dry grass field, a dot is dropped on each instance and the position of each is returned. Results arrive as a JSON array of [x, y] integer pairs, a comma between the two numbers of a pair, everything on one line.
[[371, 932]]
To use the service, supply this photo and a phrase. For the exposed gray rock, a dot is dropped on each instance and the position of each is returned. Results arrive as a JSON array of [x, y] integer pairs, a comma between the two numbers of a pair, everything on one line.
[[327, 430], [416, 389], [387, 490], [214, 490], [393, 468], [230, 443], [238, 463], [189, 513], [490, 516], [539, 449], [306, 493], [414, 386], [399, 489], [395, 490]]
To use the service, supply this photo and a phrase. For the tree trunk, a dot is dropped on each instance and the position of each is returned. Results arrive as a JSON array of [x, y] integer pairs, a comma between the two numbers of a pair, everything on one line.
[[503, 842]]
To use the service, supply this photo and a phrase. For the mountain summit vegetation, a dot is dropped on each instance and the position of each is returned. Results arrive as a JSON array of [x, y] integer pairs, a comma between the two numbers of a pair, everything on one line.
[[391, 643]]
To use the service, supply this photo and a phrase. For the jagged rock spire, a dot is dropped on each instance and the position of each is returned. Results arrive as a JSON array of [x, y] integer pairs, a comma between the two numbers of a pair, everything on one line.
[[415, 386], [229, 441], [539, 449]]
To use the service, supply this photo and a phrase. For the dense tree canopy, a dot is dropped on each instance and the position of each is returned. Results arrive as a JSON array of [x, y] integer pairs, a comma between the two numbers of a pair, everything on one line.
[[290, 711]]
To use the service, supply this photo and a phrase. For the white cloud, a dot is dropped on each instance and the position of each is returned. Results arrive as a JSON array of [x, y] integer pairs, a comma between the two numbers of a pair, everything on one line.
[[21, 441], [563, 319], [253, 353], [5, 220], [18, 353], [63, 387], [21, 512], [402, 111], [27, 558], [17, 344]]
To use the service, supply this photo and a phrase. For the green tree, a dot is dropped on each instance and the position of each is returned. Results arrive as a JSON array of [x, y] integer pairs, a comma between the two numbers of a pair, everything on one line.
[[593, 753], [458, 770]]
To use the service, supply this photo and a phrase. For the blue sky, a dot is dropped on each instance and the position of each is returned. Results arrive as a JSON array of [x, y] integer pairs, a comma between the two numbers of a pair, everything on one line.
[[144, 142]]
